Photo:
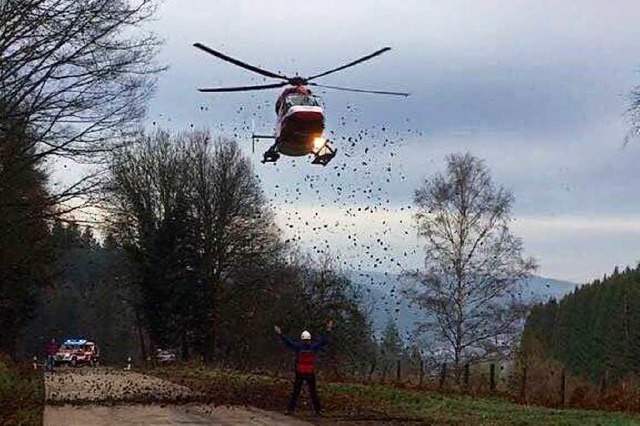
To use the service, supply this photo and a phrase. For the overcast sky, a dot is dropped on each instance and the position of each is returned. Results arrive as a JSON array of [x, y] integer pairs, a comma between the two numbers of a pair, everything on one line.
[[536, 88]]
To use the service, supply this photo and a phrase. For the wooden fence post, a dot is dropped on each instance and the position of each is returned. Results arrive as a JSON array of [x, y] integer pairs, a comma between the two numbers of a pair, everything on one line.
[[603, 385], [492, 377], [523, 389], [398, 371], [563, 387], [466, 377], [421, 371], [443, 375]]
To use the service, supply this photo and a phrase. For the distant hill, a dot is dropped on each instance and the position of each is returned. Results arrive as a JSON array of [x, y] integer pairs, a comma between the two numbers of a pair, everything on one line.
[[383, 298]]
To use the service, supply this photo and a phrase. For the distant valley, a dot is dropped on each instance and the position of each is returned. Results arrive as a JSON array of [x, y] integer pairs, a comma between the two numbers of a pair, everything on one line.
[[384, 299]]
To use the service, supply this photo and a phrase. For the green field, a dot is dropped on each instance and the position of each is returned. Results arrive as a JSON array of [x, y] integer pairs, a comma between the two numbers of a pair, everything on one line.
[[445, 409], [21, 394], [382, 404]]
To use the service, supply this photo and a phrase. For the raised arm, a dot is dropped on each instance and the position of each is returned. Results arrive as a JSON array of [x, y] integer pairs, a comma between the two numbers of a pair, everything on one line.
[[288, 342], [322, 343], [324, 339]]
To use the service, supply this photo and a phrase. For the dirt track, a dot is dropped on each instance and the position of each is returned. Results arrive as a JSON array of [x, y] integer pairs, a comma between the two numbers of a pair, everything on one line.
[[102, 396]]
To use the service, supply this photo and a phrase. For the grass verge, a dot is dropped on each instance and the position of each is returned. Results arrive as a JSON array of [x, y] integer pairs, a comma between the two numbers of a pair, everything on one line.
[[21, 394], [347, 403]]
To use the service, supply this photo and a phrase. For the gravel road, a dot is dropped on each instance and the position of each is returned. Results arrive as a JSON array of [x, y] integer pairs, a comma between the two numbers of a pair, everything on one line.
[[103, 396]]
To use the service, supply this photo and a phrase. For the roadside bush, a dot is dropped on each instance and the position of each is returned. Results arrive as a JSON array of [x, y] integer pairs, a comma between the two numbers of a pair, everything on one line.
[[21, 394]]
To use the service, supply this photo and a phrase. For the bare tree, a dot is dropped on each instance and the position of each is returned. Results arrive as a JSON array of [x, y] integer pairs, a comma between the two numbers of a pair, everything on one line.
[[80, 71], [474, 264], [77, 75], [148, 196], [236, 229], [191, 207]]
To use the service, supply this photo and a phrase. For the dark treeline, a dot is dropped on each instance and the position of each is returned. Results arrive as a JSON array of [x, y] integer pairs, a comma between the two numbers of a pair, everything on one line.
[[26, 256], [74, 82], [85, 298], [593, 331]]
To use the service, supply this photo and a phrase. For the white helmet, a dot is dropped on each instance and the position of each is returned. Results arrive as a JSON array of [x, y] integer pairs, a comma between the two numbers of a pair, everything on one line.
[[305, 335]]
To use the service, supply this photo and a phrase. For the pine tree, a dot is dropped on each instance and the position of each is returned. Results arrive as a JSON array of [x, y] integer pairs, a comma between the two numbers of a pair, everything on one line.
[[391, 347], [594, 330]]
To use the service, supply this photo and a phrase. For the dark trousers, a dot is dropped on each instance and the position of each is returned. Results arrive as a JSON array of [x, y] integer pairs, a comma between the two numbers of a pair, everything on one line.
[[49, 363], [297, 387]]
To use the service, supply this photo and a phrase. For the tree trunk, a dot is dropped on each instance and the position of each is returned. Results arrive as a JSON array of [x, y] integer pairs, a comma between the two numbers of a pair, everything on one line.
[[184, 348], [143, 349], [373, 369], [443, 375], [492, 377]]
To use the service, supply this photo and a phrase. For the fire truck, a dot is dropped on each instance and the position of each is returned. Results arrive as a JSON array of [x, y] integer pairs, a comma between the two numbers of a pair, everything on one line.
[[77, 352]]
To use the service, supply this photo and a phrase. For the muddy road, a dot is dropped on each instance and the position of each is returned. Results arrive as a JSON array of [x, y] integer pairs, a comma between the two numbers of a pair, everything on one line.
[[104, 396]]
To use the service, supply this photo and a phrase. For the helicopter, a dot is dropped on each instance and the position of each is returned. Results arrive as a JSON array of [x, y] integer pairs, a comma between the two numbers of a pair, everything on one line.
[[301, 122]]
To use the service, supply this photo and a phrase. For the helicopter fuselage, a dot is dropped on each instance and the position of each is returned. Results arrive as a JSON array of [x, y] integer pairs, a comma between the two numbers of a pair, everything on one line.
[[300, 122]]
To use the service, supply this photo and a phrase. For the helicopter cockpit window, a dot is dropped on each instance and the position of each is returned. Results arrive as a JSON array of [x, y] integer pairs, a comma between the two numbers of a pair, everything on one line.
[[302, 100]]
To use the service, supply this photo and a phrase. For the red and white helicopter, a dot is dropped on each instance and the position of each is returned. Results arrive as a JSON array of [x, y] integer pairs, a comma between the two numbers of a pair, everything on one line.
[[300, 127]]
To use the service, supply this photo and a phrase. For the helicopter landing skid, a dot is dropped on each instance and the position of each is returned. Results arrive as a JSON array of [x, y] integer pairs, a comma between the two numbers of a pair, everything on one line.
[[270, 156], [324, 154]]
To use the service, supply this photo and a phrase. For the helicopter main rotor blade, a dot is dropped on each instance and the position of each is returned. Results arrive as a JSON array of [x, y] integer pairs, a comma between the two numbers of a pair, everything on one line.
[[243, 88], [350, 64], [348, 89], [238, 62]]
